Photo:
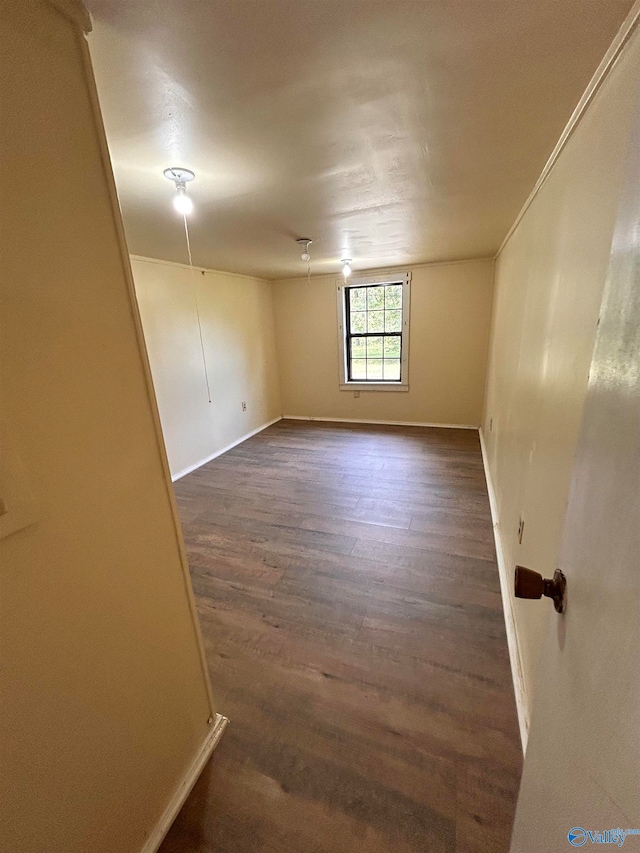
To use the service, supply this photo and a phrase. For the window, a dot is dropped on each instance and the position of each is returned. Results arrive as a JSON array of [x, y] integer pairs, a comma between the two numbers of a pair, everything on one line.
[[373, 320]]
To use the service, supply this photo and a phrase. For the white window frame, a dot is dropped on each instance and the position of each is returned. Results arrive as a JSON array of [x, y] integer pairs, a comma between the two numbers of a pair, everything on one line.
[[403, 278]]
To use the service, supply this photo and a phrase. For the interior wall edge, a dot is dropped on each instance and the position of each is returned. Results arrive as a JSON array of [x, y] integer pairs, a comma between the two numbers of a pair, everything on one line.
[[513, 643], [105, 159], [147, 260], [75, 11], [220, 452], [602, 72], [185, 787], [487, 355], [374, 422]]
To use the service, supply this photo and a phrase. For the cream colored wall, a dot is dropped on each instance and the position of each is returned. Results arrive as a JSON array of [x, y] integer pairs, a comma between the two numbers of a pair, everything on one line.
[[549, 282], [103, 697], [449, 332], [236, 313]]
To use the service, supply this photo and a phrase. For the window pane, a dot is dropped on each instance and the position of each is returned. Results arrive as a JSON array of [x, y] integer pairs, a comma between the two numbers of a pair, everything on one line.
[[375, 298], [375, 321], [358, 348], [375, 332], [374, 368], [392, 347], [374, 347], [358, 368], [358, 322], [358, 296], [393, 321], [392, 369], [393, 296]]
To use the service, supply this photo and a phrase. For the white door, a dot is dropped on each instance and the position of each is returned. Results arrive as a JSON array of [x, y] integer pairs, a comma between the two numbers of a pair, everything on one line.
[[581, 775]]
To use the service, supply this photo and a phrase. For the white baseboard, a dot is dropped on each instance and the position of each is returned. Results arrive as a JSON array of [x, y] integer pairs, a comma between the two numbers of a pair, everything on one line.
[[176, 802], [215, 455], [383, 423], [519, 686]]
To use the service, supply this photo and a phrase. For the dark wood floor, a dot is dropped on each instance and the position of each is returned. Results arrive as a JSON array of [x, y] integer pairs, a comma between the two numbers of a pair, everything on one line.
[[349, 599]]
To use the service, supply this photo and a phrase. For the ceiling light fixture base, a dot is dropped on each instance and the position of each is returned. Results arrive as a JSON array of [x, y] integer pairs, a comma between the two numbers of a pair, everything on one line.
[[179, 175]]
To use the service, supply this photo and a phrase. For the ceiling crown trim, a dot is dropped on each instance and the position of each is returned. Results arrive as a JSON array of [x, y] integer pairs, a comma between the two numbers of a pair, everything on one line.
[[602, 72], [74, 11]]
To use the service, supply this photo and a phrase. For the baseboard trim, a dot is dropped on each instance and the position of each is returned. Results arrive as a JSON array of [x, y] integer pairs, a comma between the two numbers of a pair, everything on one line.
[[215, 455], [382, 423], [176, 802], [519, 686]]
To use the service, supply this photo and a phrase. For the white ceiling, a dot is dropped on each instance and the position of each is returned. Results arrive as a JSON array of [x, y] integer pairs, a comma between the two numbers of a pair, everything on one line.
[[391, 132]]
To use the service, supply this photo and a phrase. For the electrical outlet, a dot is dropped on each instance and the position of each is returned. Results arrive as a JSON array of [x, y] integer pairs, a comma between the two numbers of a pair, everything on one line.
[[490, 424], [520, 530], [244, 406], [356, 393]]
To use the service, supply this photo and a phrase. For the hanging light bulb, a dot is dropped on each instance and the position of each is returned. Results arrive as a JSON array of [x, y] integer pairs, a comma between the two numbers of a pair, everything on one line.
[[180, 177], [182, 202], [304, 245], [346, 267]]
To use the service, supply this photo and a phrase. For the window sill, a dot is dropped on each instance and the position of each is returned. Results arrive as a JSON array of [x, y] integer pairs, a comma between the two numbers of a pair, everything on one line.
[[374, 386]]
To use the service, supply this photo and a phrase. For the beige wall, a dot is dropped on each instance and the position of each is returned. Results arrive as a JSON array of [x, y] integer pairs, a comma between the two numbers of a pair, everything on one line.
[[549, 283], [449, 332], [236, 313], [103, 697]]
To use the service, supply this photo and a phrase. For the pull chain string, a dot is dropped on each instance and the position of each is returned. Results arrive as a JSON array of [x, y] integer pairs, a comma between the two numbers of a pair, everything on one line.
[[195, 299], [308, 269]]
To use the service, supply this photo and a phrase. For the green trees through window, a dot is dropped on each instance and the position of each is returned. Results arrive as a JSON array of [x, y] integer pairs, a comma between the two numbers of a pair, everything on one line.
[[374, 332]]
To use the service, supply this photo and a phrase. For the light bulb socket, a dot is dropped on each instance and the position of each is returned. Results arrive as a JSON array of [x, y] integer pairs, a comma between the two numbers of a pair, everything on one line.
[[304, 244], [181, 177]]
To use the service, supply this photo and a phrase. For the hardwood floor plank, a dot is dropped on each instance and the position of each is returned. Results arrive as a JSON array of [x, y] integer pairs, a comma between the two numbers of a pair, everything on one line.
[[347, 590]]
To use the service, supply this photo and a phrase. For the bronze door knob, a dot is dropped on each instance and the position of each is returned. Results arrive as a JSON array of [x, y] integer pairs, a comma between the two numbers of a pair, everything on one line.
[[530, 584]]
